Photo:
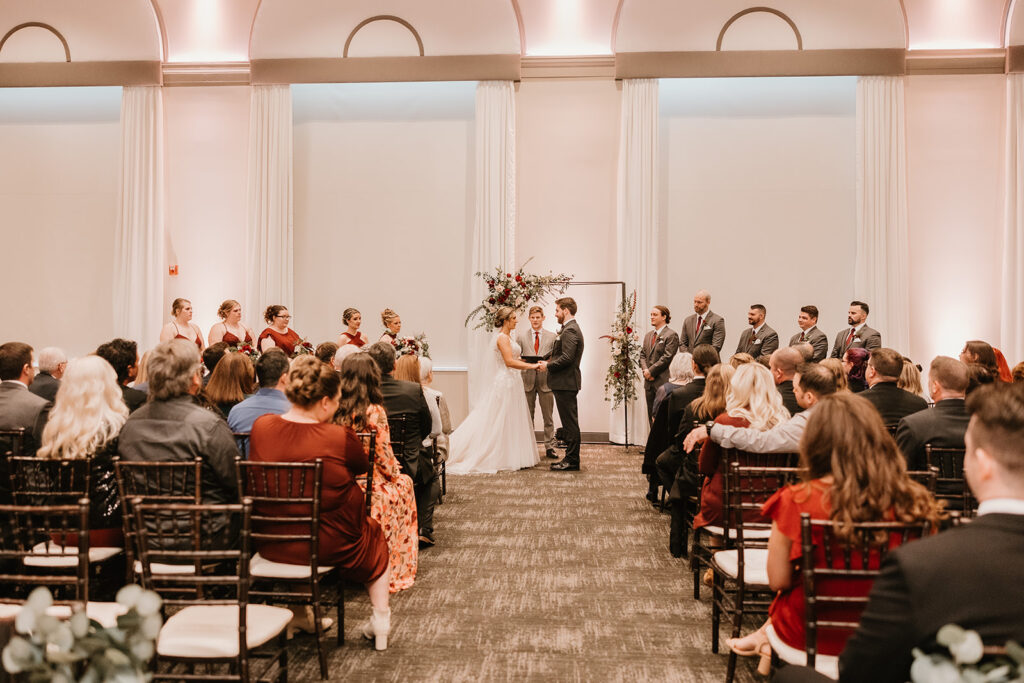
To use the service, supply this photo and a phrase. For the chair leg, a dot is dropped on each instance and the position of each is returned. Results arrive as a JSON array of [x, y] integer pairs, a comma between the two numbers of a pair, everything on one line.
[[282, 642], [341, 612], [716, 615], [444, 478], [318, 627], [730, 670]]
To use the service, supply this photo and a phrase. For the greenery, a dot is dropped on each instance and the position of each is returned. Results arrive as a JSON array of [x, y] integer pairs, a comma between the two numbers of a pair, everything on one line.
[[412, 346], [518, 290], [967, 662], [623, 376]]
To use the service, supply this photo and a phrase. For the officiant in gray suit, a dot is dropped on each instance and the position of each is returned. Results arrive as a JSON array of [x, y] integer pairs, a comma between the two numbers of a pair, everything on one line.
[[538, 341], [660, 346]]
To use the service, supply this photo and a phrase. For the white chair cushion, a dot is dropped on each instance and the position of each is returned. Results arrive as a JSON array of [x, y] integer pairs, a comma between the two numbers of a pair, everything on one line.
[[68, 557], [106, 613], [160, 568], [827, 665], [755, 565], [211, 631], [263, 568], [757, 534]]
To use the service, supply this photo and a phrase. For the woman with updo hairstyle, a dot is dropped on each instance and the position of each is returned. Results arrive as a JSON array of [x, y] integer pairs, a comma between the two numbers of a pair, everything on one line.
[[394, 501], [392, 325], [349, 540], [231, 330], [836, 367], [181, 326], [278, 333], [233, 379], [352, 319], [855, 363]]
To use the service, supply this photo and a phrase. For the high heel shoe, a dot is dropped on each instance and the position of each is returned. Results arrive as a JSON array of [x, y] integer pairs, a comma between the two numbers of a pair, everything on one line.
[[377, 628], [755, 644], [303, 622]]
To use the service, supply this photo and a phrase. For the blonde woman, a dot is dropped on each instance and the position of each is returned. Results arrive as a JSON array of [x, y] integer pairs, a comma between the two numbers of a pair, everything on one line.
[[181, 325], [84, 424], [835, 366], [230, 330], [392, 325], [910, 379]]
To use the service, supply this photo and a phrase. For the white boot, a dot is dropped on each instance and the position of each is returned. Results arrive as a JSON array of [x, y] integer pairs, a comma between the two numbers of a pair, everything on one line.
[[378, 627]]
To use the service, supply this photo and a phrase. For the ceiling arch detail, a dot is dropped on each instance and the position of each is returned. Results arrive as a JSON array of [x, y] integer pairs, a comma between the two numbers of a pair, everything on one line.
[[94, 31], [37, 24]]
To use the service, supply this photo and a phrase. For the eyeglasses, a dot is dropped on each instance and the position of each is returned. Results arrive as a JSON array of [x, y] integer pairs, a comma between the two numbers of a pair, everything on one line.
[[286, 317]]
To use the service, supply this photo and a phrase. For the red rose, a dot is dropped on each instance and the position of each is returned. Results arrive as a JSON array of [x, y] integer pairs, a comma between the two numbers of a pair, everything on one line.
[[491, 300], [507, 290], [508, 274], [519, 278], [629, 330], [617, 375], [523, 285]]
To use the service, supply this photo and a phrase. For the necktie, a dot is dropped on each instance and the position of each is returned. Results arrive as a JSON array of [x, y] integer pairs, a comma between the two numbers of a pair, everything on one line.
[[803, 336], [849, 337], [700, 321], [753, 335], [536, 343]]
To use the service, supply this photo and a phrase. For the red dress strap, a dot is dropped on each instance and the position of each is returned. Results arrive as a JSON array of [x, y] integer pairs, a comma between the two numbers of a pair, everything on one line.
[[356, 341]]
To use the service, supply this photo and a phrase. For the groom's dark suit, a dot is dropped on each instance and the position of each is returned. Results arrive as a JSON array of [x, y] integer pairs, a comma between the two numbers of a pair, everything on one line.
[[564, 380]]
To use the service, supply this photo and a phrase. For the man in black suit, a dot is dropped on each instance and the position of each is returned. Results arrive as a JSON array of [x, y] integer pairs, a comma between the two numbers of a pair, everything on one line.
[[944, 425], [969, 575], [892, 403], [406, 398], [783, 365], [660, 346], [52, 363], [810, 334], [858, 334], [19, 408], [123, 356], [703, 327], [759, 340], [564, 380]]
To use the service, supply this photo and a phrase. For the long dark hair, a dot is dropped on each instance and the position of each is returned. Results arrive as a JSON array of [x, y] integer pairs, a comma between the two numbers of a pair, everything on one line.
[[360, 388]]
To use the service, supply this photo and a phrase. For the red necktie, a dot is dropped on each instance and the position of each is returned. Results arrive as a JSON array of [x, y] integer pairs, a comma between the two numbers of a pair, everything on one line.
[[536, 343], [700, 321], [803, 336], [849, 337], [753, 335]]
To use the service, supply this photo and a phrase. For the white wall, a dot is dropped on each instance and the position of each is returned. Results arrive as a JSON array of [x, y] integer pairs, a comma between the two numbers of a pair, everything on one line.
[[58, 214], [758, 199]]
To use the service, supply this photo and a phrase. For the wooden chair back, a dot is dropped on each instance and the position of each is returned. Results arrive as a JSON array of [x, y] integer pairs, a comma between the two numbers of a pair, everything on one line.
[[44, 532], [369, 440], [951, 485], [38, 481], [926, 478]]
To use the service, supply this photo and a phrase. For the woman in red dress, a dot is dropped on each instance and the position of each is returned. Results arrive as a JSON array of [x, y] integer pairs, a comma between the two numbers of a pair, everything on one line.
[[853, 472], [231, 330], [278, 334], [352, 319], [349, 540], [181, 326], [392, 325]]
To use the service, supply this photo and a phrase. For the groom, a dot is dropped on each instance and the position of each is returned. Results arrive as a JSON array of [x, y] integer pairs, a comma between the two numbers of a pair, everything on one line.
[[564, 380]]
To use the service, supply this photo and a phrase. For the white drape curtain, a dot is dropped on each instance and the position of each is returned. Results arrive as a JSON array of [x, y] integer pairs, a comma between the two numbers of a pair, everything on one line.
[[269, 217], [494, 224], [638, 235], [882, 252], [139, 244], [1011, 341]]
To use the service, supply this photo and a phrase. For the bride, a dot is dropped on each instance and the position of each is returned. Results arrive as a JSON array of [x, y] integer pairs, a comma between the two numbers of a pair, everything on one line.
[[498, 433]]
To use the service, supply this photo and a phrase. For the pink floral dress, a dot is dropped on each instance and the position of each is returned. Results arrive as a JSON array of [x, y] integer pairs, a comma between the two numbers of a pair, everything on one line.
[[394, 504]]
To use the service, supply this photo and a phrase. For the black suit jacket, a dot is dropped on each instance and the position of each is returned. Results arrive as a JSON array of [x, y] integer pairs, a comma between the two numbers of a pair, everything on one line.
[[893, 403], [943, 426], [564, 366], [788, 397], [45, 386], [766, 343], [406, 398], [969, 576], [133, 398], [677, 402]]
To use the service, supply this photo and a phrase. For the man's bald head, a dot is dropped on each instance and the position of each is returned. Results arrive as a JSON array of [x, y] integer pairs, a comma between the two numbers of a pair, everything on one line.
[[784, 363], [701, 301]]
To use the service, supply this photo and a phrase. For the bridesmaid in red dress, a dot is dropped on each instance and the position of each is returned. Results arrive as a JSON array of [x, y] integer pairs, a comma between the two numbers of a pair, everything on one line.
[[278, 334], [392, 325], [181, 326], [353, 319], [231, 330]]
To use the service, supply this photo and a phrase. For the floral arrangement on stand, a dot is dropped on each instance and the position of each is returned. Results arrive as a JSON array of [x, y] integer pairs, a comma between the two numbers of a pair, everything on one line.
[[250, 350], [623, 376], [303, 348], [967, 661], [517, 290], [412, 346]]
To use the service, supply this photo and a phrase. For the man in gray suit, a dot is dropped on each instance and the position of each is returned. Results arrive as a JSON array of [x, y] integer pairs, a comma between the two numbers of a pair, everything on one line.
[[565, 379], [810, 334], [660, 346], [538, 342], [759, 340], [20, 408], [858, 334], [52, 363], [703, 327]]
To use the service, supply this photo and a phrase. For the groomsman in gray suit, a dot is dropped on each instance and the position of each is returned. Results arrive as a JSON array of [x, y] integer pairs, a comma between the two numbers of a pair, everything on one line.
[[759, 340], [858, 334], [810, 334], [537, 341], [660, 346], [703, 327]]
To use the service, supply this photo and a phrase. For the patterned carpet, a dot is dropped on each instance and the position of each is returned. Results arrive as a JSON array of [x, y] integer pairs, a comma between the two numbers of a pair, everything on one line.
[[539, 576]]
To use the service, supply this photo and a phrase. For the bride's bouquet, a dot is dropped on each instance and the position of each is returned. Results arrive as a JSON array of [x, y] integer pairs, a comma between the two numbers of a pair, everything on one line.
[[517, 290], [412, 346]]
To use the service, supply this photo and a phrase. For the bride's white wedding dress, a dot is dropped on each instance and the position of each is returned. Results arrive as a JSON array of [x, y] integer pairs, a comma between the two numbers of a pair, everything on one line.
[[498, 434]]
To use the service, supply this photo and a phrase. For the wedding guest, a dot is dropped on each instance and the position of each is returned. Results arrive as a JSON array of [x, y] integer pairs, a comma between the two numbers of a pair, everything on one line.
[[394, 501], [349, 540], [1018, 372], [855, 365], [977, 377], [858, 335], [212, 355], [141, 382], [981, 353], [272, 375], [538, 341], [809, 333], [910, 379], [882, 375], [52, 363], [392, 326], [351, 335], [680, 373], [123, 356], [659, 347], [325, 352], [1004, 367], [432, 395], [19, 408], [407, 368], [181, 326], [836, 367], [760, 339], [806, 350], [344, 352], [230, 330], [738, 359], [944, 425], [703, 327], [783, 364], [230, 382], [84, 425], [278, 333]]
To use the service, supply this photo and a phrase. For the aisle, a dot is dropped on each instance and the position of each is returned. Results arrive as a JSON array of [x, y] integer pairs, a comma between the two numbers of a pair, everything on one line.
[[540, 575]]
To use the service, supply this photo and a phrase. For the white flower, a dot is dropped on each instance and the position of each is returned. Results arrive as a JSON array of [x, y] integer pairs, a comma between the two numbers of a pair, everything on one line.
[[148, 603], [128, 596], [79, 624], [969, 650], [39, 600], [18, 655], [933, 670]]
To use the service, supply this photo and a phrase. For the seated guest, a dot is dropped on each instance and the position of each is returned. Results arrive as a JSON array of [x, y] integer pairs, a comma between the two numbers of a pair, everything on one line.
[[835, 366], [944, 425], [892, 403], [171, 427], [123, 356], [349, 540], [272, 376], [141, 382], [52, 362], [852, 473], [19, 408], [406, 399], [809, 333], [910, 379], [278, 333], [181, 326], [212, 355], [855, 363], [230, 330], [344, 352], [742, 358], [977, 377], [783, 364], [407, 369], [1018, 372], [680, 373], [352, 319], [394, 501], [913, 598], [392, 326], [432, 395], [230, 382], [806, 351], [325, 352], [981, 353], [84, 425], [1004, 367]]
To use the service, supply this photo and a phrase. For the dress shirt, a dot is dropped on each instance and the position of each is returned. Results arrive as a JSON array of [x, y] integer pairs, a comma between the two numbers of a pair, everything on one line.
[[783, 438], [266, 400], [1003, 506], [757, 330]]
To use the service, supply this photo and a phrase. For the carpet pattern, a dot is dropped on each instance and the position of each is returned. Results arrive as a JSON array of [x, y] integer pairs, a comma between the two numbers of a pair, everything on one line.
[[539, 576]]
